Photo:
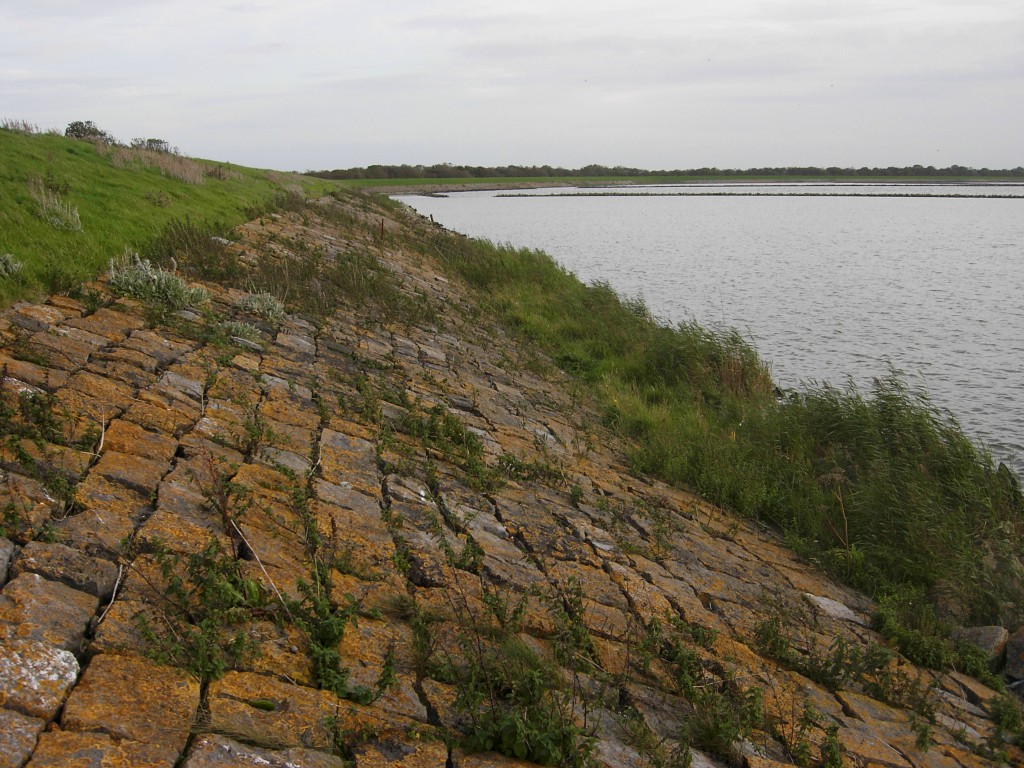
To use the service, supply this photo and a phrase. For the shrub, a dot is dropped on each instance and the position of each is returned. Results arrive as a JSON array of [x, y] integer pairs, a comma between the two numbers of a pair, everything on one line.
[[87, 130], [154, 145], [141, 279], [239, 330], [262, 305]]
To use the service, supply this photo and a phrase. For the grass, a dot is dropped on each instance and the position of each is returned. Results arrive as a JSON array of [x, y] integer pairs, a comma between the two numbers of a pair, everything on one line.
[[120, 202], [879, 487]]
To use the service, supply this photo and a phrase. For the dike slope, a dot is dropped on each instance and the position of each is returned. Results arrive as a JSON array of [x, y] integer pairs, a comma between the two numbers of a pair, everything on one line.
[[345, 542]]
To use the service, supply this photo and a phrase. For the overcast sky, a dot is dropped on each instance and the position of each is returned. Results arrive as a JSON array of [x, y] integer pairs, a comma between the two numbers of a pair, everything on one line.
[[316, 84]]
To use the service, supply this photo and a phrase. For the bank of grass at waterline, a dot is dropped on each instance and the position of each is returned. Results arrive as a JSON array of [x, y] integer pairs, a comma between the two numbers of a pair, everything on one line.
[[70, 205], [879, 487]]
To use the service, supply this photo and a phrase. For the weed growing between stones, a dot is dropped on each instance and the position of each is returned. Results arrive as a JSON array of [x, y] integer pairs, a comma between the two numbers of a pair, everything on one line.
[[906, 618], [512, 698], [873, 669], [724, 712], [141, 279], [255, 431], [207, 603], [33, 428], [515, 701], [237, 329], [262, 305]]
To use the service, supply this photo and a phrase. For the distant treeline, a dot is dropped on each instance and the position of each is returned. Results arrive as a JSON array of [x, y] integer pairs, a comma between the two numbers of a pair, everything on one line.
[[447, 171]]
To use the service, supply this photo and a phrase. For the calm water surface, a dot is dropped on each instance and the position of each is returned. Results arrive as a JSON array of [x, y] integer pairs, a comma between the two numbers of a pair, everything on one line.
[[828, 288]]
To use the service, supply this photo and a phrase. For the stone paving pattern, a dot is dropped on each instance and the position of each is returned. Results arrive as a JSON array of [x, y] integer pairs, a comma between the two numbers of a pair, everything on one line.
[[176, 415]]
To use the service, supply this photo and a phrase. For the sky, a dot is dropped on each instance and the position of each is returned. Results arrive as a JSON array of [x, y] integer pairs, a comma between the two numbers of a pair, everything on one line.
[[657, 84]]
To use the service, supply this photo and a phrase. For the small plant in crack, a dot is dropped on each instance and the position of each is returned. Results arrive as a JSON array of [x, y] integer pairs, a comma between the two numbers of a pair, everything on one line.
[[255, 431], [516, 701], [206, 603]]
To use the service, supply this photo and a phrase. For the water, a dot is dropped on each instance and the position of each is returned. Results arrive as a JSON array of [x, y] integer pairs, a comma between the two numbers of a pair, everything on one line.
[[827, 288]]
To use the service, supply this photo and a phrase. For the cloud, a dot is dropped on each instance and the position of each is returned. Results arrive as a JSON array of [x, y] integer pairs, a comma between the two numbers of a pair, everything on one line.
[[544, 80]]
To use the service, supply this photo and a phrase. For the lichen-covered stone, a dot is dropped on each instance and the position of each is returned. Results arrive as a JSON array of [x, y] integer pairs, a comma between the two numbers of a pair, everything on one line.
[[400, 751], [132, 698], [461, 759], [41, 376], [126, 437], [271, 713], [120, 632], [216, 751], [63, 749], [142, 475], [18, 736], [58, 562], [36, 317], [35, 677], [32, 607], [109, 323]]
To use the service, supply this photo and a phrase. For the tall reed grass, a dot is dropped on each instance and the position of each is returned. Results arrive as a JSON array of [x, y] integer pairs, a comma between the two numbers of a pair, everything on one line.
[[51, 208], [170, 164]]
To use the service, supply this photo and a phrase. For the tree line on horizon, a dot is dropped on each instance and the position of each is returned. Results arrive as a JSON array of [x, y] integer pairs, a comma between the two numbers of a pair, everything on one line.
[[449, 171]]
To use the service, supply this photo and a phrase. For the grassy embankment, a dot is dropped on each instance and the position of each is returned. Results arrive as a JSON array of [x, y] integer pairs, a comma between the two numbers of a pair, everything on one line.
[[69, 205], [880, 488]]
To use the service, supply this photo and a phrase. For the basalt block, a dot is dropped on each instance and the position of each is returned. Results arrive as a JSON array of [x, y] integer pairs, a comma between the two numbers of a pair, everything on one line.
[[114, 396], [990, 640], [67, 348], [1015, 655], [461, 759], [127, 437], [18, 736], [35, 677], [132, 698], [48, 379], [159, 348], [109, 323], [58, 562], [36, 317], [6, 554], [121, 628], [62, 749], [35, 608], [216, 751], [140, 474], [163, 414], [271, 713], [401, 751]]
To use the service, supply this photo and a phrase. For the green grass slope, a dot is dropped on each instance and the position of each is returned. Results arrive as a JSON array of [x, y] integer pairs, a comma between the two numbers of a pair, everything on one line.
[[123, 198]]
